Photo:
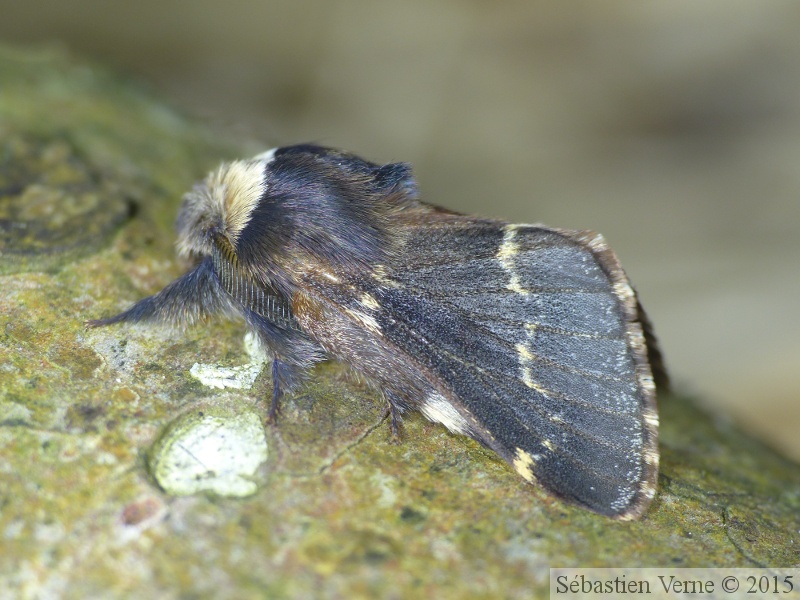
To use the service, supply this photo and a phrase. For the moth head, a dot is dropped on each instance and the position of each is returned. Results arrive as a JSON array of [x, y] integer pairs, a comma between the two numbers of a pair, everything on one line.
[[220, 207], [323, 201]]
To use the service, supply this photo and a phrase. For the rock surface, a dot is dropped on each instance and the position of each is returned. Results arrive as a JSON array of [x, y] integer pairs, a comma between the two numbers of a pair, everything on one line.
[[91, 175]]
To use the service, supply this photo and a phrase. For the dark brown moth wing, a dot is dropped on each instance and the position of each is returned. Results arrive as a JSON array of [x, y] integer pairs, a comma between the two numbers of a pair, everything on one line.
[[534, 334]]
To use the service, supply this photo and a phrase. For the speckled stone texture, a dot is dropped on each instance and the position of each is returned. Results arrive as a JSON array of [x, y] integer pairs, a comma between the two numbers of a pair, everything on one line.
[[91, 174]]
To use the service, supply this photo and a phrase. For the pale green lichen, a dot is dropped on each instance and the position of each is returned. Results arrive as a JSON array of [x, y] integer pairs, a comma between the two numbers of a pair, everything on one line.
[[239, 377], [210, 449]]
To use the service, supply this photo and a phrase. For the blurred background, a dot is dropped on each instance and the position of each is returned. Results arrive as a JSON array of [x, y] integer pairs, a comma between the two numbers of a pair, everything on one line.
[[671, 127]]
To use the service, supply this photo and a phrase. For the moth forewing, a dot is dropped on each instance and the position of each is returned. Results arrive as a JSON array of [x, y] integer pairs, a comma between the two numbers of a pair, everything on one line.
[[522, 337], [531, 336]]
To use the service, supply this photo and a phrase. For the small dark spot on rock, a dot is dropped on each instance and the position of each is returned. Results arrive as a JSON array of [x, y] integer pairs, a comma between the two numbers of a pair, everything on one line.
[[133, 207], [373, 556], [84, 416], [411, 515], [139, 511], [89, 411], [429, 494]]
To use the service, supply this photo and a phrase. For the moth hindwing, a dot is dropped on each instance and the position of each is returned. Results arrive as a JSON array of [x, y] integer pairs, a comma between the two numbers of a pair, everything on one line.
[[526, 338]]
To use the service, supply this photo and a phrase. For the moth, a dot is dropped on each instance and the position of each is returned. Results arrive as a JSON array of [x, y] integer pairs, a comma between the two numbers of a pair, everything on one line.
[[526, 338]]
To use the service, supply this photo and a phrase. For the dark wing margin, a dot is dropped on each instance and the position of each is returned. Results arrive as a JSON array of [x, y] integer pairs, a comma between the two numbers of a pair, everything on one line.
[[535, 336]]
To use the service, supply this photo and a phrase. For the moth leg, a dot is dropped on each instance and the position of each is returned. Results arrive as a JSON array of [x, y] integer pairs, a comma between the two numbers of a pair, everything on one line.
[[185, 301], [293, 354], [396, 419], [393, 409], [284, 378]]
